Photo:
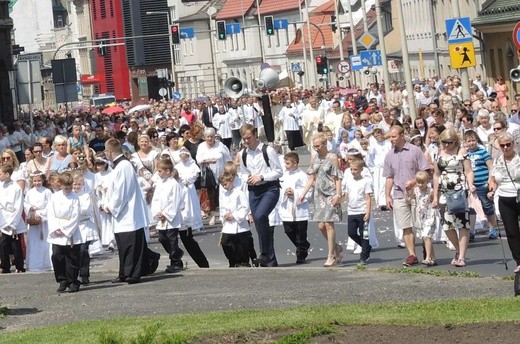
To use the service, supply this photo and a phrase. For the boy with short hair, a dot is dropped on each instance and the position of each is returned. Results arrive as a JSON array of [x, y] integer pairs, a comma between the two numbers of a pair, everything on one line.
[[12, 225], [167, 204], [64, 234], [357, 190], [234, 209], [295, 216]]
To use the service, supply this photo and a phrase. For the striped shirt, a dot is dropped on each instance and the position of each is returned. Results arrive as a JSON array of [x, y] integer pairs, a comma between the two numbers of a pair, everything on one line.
[[478, 158]]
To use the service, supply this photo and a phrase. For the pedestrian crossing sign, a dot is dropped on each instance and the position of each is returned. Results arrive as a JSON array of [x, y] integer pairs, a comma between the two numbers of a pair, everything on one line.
[[462, 55], [458, 30]]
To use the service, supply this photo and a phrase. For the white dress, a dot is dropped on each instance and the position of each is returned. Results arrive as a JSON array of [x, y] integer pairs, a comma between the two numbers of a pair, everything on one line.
[[188, 173], [105, 221], [39, 251]]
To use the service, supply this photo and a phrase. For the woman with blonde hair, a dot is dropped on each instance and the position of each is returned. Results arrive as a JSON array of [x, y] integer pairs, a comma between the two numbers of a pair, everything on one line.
[[453, 174], [9, 158], [59, 161]]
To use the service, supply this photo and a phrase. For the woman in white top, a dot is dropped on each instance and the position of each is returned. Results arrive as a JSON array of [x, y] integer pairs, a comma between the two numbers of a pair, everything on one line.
[[214, 154], [145, 157], [172, 148], [485, 128]]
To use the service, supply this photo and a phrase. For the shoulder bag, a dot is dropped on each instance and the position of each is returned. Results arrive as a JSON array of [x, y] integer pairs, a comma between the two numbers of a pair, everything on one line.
[[512, 180]]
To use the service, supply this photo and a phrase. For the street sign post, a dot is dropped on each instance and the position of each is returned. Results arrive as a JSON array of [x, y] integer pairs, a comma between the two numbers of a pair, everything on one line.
[[187, 32], [370, 58], [516, 35], [296, 67], [458, 30], [232, 28], [367, 40], [462, 55], [355, 62], [343, 67], [281, 24]]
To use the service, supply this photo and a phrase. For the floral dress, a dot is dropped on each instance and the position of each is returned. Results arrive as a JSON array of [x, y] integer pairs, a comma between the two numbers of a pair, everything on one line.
[[424, 213], [452, 178], [324, 172]]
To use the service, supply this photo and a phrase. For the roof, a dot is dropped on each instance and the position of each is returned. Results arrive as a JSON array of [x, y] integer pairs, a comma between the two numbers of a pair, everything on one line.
[[234, 9], [276, 6], [326, 8], [497, 12]]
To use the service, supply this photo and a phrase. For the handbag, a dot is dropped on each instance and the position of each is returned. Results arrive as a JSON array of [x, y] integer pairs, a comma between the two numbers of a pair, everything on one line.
[[207, 178], [514, 184], [456, 201]]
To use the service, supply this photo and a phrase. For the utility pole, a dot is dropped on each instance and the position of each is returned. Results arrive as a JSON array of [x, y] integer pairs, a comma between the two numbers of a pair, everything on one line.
[[406, 63], [386, 76], [464, 78], [352, 37]]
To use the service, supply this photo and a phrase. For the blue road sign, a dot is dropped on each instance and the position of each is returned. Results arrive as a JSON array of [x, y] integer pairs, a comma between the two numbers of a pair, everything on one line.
[[355, 62], [233, 28], [187, 32], [281, 24], [458, 30], [295, 67], [176, 95], [370, 58]]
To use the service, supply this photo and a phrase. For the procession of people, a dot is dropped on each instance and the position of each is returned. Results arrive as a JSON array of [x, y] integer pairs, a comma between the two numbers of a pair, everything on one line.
[[83, 181]]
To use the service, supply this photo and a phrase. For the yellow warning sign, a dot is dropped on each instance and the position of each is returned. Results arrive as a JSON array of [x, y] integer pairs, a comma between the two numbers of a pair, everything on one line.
[[462, 55]]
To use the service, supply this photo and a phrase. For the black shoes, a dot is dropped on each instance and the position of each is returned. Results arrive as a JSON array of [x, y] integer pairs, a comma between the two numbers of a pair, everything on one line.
[[172, 269], [73, 288], [63, 287], [85, 280], [132, 280], [300, 258], [118, 280]]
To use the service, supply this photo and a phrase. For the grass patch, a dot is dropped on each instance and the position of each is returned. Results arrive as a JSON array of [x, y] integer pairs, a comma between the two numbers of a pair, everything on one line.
[[304, 336], [179, 328], [432, 272], [3, 311], [509, 278]]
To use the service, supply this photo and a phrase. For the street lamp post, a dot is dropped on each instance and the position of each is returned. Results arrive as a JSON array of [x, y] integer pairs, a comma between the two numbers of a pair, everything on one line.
[[171, 45]]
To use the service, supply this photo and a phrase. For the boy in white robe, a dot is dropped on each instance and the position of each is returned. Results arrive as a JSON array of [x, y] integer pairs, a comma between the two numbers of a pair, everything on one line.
[[64, 235], [234, 210], [295, 216], [39, 251], [87, 227], [12, 225], [167, 204]]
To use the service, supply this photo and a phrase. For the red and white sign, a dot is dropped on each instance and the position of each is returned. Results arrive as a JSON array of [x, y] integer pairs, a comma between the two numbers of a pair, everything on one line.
[[90, 79], [393, 66], [343, 67], [516, 35]]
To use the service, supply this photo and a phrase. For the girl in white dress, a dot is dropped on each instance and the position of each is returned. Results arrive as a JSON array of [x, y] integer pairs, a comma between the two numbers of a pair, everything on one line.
[[38, 249], [188, 173], [105, 221]]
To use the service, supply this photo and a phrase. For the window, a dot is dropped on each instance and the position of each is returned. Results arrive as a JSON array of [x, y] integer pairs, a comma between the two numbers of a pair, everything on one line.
[[59, 21]]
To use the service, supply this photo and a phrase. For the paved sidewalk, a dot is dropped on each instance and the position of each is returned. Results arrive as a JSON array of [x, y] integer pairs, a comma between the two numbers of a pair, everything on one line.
[[34, 302]]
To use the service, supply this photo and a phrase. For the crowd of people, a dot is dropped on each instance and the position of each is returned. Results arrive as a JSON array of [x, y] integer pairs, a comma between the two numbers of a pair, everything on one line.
[[83, 181]]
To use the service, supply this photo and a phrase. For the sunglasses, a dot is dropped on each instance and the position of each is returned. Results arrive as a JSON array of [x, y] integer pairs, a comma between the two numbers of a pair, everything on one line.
[[497, 129], [6, 158], [447, 142], [467, 104], [504, 145], [37, 151]]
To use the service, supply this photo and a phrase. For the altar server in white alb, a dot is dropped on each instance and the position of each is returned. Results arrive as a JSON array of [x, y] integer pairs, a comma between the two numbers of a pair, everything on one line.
[[64, 234], [126, 203], [12, 225], [39, 251], [87, 226], [166, 207], [295, 216]]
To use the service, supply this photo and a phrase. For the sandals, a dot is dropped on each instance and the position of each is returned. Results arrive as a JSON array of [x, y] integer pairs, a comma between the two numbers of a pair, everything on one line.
[[461, 263], [455, 260], [331, 261], [429, 262]]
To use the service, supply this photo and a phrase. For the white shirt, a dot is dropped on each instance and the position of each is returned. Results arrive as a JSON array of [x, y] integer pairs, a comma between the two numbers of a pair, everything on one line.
[[356, 190], [63, 214], [289, 210], [168, 199], [234, 201], [256, 164], [11, 207]]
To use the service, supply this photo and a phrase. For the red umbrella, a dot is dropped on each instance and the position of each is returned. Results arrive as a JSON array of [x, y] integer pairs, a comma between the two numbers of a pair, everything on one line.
[[112, 110]]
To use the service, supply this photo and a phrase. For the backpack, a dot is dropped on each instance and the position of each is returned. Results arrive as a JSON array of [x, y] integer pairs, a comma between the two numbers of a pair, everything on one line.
[[264, 153]]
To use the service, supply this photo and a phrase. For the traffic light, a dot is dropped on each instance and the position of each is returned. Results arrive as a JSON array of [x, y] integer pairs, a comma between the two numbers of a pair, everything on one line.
[[269, 25], [333, 25], [322, 65], [221, 30], [176, 38]]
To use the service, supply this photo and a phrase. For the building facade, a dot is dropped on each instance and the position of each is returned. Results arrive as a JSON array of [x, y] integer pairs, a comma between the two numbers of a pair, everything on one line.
[[6, 64]]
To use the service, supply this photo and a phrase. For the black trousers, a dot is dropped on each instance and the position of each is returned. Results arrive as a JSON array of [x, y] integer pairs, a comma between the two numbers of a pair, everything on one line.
[[192, 247], [356, 225], [132, 254], [510, 212], [296, 231], [294, 139], [169, 239], [227, 143], [65, 262], [84, 260], [9, 244], [236, 248]]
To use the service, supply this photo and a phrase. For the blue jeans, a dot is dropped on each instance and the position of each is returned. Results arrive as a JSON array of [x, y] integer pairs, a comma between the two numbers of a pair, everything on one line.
[[262, 200]]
